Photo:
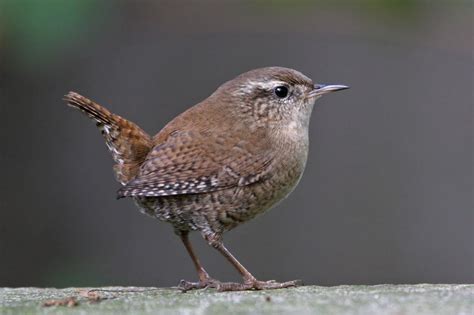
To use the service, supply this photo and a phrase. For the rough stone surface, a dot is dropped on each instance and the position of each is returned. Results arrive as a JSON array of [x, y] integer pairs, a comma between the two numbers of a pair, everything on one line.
[[418, 299]]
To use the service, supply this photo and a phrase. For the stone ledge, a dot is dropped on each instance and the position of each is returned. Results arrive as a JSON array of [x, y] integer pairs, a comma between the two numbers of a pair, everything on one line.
[[418, 299]]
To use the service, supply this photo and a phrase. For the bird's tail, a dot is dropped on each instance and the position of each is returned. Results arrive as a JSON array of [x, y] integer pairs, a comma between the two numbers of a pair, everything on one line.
[[127, 142]]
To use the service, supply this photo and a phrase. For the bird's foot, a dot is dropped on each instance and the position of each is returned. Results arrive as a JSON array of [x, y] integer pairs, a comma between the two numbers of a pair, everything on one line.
[[185, 286], [257, 285]]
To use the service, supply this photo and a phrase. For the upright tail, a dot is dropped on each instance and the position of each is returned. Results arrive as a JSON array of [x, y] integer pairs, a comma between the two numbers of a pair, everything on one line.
[[127, 142]]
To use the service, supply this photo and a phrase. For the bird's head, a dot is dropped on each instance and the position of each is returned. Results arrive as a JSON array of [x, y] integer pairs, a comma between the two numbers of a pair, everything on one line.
[[275, 95]]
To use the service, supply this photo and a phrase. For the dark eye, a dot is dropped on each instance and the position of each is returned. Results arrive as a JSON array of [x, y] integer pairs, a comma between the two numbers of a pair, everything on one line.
[[281, 91]]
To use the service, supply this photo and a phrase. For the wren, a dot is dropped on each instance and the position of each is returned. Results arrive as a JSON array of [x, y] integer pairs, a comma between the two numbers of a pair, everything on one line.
[[218, 164]]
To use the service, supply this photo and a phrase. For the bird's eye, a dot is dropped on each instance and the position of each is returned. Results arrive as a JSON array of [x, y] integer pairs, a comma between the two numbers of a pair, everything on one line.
[[281, 91]]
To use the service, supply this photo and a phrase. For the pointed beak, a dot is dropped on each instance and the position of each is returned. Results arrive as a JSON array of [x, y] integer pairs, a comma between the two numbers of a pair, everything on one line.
[[320, 89]]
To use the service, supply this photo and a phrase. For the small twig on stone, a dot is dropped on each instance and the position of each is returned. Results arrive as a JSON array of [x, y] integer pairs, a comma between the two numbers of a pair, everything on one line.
[[69, 302]]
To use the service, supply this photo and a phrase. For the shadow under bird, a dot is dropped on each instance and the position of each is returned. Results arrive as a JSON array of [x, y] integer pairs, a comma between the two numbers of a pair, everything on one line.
[[220, 163]]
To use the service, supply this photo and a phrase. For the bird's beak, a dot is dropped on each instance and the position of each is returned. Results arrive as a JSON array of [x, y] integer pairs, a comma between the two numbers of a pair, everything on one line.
[[320, 89]]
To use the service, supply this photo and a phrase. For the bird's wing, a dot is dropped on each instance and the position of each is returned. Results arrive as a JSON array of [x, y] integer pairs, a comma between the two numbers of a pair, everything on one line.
[[193, 162]]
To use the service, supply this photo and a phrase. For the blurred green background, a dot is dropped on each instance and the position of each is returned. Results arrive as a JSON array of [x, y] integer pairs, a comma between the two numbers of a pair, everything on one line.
[[387, 193]]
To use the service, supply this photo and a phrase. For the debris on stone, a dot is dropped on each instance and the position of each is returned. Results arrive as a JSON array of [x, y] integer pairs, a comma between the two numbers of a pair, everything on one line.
[[68, 302]]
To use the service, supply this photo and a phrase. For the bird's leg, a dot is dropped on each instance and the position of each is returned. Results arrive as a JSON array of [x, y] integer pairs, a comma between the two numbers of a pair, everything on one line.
[[205, 280], [250, 282]]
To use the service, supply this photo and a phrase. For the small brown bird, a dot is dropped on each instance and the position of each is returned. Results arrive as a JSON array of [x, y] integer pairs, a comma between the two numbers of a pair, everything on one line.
[[220, 163]]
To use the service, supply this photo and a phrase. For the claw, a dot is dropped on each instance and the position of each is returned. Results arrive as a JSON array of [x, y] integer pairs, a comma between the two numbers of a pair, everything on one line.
[[186, 286], [257, 285]]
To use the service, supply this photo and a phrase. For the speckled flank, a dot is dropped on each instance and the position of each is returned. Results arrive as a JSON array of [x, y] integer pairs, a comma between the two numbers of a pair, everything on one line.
[[221, 210]]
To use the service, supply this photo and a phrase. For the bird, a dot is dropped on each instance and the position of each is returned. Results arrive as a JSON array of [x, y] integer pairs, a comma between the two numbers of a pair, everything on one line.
[[218, 164]]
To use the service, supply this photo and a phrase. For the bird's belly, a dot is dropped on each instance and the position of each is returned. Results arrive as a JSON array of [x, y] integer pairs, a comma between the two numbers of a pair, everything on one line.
[[221, 210]]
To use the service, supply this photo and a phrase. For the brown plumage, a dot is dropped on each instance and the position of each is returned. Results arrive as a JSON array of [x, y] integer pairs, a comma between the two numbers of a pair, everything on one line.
[[127, 142], [221, 162]]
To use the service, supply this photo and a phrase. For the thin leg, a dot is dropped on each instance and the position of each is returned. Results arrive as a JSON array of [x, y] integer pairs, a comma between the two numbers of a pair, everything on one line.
[[202, 273], [248, 277], [204, 279], [250, 282]]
